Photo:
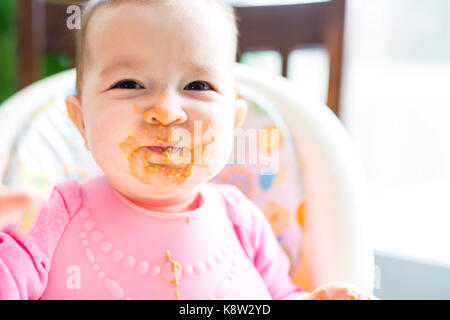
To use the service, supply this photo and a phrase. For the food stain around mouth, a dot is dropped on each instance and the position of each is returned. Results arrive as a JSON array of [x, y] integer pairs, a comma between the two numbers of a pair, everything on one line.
[[175, 174], [174, 163], [142, 167], [167, 153], [137, 109]]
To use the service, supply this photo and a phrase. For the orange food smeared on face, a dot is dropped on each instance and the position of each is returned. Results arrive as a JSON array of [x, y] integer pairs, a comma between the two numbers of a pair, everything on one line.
[[143, 162], [174, 173], [148, 115], [137, 109], [174, 163], [129, 145]]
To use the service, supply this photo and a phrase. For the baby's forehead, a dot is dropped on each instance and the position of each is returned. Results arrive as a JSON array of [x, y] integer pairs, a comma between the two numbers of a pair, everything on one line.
[[167, 13], [143, 29]]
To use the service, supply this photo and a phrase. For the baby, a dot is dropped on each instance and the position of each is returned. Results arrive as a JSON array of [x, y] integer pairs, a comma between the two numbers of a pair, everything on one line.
[[157, 108]]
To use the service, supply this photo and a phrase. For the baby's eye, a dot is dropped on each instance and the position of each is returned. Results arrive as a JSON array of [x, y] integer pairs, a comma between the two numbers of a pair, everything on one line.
[[198, 85], [127, 84]]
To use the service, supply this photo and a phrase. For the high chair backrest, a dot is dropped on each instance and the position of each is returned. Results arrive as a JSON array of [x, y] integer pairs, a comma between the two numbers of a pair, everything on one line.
[[42, 27], [318, 184]]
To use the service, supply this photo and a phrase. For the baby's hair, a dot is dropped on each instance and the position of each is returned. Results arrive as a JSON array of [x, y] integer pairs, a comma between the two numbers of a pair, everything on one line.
[[93, 5]]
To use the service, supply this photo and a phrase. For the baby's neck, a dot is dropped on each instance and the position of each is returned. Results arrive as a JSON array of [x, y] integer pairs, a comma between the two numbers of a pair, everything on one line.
[[187, 201]]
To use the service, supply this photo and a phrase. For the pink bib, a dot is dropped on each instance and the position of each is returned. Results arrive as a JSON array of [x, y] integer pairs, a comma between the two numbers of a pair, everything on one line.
[[113, 249]]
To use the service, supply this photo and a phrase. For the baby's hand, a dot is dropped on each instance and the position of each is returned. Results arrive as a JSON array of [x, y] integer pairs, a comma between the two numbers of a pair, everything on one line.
[[18, 208], [339, 291]]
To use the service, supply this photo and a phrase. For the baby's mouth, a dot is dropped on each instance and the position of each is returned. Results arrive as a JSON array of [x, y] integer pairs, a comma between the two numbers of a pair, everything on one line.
[[172, 160], [164, 149], [167, 160], [167, 154]]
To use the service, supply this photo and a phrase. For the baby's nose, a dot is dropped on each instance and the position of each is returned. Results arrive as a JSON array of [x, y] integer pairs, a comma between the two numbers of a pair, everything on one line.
[[165, 113]]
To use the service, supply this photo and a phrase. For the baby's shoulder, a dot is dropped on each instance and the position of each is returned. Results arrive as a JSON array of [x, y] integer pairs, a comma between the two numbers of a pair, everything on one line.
[[229, 192], [240, 209], [76, 193], [66, 195]]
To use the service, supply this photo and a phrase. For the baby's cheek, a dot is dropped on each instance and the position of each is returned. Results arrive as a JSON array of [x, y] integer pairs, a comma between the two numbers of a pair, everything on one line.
[[217, 141], [105, 148]]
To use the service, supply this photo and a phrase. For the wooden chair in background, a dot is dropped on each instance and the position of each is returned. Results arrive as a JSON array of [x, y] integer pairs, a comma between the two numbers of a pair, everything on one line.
[[284, 28]]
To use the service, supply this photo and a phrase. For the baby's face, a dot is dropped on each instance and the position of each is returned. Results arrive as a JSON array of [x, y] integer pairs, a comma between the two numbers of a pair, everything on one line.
[[158, 103]]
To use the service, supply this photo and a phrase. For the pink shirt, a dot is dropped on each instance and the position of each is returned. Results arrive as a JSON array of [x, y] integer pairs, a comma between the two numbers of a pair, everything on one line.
[[33, 265]]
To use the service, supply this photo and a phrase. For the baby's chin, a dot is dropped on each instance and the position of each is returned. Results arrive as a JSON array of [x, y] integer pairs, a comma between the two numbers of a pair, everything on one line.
[[162, 182], [148, 174]]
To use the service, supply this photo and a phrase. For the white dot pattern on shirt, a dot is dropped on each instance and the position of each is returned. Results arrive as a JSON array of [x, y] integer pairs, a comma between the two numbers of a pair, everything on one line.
[[129, 262]]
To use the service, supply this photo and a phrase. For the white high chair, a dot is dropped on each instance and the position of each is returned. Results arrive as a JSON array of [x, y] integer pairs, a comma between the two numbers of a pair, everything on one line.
[[335, 243]]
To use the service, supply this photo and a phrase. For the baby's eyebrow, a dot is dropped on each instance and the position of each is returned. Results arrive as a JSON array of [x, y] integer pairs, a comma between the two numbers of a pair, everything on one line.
[[125, 64], [205, 69], [199, 69]]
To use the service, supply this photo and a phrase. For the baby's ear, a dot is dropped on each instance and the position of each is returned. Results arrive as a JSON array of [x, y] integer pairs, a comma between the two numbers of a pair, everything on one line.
[[75, 112], [241, 111]]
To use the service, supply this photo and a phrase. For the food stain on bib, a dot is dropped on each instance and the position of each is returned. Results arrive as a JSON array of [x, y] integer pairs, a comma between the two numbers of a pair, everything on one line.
[[176, 267]]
